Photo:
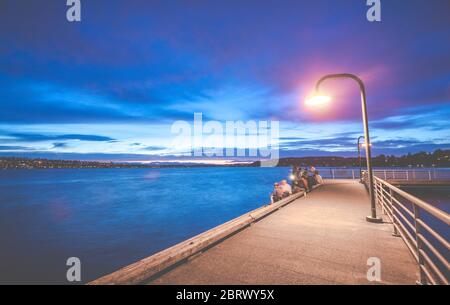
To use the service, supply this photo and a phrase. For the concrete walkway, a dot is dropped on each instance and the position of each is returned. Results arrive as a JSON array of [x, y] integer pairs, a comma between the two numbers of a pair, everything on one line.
[[320, 239]]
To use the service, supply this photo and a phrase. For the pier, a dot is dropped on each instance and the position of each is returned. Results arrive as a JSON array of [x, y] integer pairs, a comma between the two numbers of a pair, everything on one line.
[[321, 239], [317, 238]]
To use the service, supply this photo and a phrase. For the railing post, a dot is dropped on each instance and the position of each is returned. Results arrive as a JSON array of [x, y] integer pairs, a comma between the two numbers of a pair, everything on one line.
[[429, 175], [385, 177], [375, 190], [379, 195], [353, 174], [423, 278], [394, 221], [332, 173], [407, 176], [393, 175]]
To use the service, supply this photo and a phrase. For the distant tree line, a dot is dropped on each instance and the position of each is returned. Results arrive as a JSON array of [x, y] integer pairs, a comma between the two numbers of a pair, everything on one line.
[[439, 158]]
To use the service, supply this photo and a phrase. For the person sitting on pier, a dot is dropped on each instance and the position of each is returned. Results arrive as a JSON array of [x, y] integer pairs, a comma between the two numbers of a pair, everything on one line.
[[317, 177], [304, 178], [285, 188], [310, 178], [295, 181], [277, 193], [296, 185]]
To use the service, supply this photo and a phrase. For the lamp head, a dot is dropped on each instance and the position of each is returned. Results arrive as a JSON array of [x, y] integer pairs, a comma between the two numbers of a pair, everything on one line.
[[365, 145], [318, 100]]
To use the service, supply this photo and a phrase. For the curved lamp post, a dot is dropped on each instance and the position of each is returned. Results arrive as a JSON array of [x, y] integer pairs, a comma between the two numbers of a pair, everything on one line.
[[359, 157], [325, 99]]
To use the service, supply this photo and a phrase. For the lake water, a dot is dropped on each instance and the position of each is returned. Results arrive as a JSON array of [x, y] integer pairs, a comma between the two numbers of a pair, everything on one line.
[[113, 217], [438, 196]]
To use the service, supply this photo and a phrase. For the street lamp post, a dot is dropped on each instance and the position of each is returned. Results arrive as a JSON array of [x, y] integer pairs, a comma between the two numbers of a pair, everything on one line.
[[373, 215], [359, 157]]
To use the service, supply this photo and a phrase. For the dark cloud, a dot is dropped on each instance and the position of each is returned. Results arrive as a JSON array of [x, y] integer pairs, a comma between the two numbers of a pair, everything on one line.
[[291, 138], [154, 148], [82, 156], [429, 116], [7, 148], [332, 142], [160, 61], [34, 137], [347, 147], [136, 57], [59, 145], [26, 101]]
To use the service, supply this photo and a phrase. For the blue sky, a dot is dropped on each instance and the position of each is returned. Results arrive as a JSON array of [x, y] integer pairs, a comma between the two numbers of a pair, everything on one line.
[[112, 85]]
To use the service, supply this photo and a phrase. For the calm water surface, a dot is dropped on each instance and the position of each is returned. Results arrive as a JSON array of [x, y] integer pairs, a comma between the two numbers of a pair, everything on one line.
[[113, 217]]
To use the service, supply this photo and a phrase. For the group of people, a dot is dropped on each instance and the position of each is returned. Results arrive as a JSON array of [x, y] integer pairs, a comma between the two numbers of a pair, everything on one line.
[[301, 179]]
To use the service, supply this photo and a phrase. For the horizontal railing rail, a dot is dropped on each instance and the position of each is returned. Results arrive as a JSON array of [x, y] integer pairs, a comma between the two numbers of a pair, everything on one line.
[[340, 173], [411, 218], [412, 174], [388, 174]]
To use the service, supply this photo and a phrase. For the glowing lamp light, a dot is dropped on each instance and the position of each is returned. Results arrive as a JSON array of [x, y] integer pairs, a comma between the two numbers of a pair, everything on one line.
[[292, 177], [318, 100], [365, 145]]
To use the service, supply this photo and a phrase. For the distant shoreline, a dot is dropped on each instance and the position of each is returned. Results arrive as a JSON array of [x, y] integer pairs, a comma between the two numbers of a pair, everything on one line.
[[28, 163], [437, 159]]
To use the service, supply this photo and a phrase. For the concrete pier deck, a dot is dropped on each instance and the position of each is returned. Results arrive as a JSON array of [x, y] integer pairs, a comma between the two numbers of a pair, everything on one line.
[[320, 239]]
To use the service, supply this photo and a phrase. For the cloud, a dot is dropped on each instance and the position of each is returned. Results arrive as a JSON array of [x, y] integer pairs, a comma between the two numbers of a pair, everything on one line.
[[346, 146], [34, 137], [320, 143], [141, 67], [154, 148], [429, 116], [292, 138], [59, 145], [33, 102], [144, 69], [11, 148]]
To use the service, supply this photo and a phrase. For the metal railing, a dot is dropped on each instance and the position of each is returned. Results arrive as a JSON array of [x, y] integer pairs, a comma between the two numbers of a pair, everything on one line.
[[339, 173], [412, 174], [388, 174], [412, 218]]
